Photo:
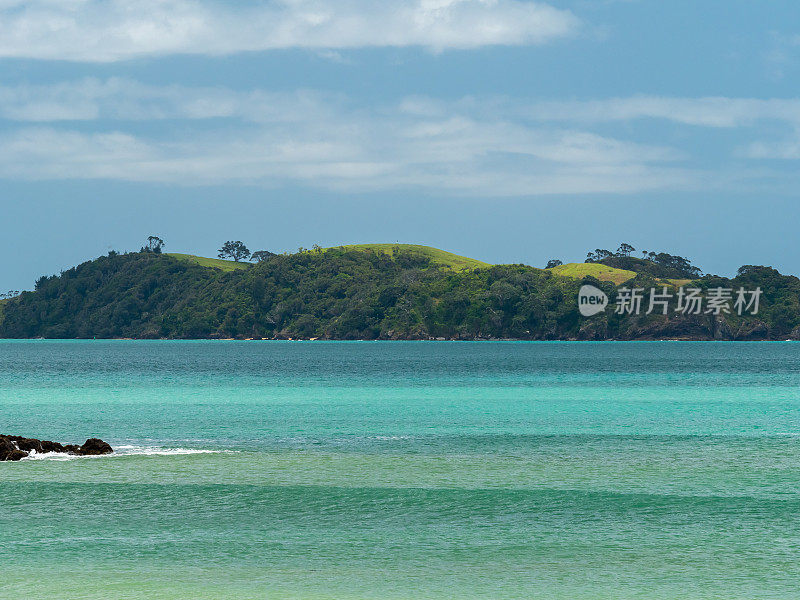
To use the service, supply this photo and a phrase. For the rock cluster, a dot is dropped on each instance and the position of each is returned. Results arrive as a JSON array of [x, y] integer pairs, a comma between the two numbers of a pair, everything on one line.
[[14, 447]]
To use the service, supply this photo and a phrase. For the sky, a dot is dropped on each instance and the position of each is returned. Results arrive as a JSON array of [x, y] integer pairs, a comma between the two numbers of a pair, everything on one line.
[[506, 130]]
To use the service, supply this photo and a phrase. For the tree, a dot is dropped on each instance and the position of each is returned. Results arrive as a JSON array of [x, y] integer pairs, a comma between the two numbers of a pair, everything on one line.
[[599, 255], [680, 266], [625, 249], [553, 262], [261, 255], [747, 269], [154, 245], [235, 250]]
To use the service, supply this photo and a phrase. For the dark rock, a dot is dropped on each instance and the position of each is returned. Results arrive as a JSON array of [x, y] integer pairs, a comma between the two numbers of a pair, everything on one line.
[[14, 447], [27, 444], [9, 450], [593, 330], [95, 447], [48, 446], [722, 330], [753, 330], [676, 327]]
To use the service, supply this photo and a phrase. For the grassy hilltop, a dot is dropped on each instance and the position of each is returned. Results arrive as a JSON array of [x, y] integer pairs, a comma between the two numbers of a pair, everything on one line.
[[445, 259], [216, 263], [377, 291], [598, 271], [603, 272], [437, 257]]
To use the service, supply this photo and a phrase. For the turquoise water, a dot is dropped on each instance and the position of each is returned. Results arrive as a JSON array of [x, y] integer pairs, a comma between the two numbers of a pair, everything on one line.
[[403, 470]]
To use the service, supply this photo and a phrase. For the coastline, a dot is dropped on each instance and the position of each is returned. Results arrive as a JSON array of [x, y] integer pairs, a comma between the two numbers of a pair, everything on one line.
[[419, 339]]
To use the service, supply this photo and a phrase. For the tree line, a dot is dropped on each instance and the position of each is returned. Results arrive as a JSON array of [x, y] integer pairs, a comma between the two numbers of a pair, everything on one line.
[[234, 250], [345, 293], [659, 264]]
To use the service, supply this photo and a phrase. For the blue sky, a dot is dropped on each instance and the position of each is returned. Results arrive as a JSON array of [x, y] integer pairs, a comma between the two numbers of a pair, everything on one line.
[[507, 130]]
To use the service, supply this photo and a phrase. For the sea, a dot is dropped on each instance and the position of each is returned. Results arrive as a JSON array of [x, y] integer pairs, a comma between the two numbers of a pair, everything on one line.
[[402, 470]]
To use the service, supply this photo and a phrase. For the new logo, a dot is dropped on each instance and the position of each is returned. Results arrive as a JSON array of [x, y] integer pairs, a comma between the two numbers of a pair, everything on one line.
[[591, 300]]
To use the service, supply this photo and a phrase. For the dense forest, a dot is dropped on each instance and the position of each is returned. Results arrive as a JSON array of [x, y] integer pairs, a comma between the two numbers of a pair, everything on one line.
[[362, 294]]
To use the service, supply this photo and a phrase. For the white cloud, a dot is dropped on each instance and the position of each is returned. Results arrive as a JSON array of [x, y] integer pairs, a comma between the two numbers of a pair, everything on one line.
[[781, 150], [116, 98], [111, 30], [781, 54], [495, 159], [122, 129], [704, 112], [311, 139], [718, 112], [122, 99]]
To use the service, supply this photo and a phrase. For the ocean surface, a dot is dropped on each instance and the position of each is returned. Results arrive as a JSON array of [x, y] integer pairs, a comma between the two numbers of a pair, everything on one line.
[[394, 470]]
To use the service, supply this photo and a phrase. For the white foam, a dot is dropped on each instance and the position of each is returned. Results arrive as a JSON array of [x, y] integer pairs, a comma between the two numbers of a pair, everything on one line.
[[158, 451], [33, 455], [120, 451]]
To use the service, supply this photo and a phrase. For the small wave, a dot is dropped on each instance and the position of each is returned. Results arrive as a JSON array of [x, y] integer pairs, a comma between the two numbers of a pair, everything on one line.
[[54, 456], [160, 451], [355, 439], [120, 451]]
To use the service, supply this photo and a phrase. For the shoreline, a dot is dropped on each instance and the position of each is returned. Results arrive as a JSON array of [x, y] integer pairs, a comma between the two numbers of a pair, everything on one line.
[[389, 340]]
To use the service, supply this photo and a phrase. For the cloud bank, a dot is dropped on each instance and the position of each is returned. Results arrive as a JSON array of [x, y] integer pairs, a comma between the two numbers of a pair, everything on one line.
[[121, 129], [716, 112], [124, 99], [112, 30]]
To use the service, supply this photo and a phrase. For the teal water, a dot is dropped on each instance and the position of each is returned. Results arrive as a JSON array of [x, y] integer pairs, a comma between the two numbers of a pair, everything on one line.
[[403, 470]]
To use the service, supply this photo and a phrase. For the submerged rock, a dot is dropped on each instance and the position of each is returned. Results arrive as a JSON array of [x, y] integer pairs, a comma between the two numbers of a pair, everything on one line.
[[14, 447]]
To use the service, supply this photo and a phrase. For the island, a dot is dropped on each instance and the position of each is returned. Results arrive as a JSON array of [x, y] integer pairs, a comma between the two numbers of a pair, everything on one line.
[[393, 292]]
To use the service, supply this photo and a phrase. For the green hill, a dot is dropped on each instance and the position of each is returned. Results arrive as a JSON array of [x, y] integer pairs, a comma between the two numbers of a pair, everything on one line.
[[596, 270], [339, 293], [442, 258], [386, 291], [216, 263], [613, 275], [436, 256]]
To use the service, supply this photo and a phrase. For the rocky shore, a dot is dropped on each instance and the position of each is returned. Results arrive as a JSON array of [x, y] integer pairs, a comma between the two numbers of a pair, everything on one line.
[[14, 447]]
